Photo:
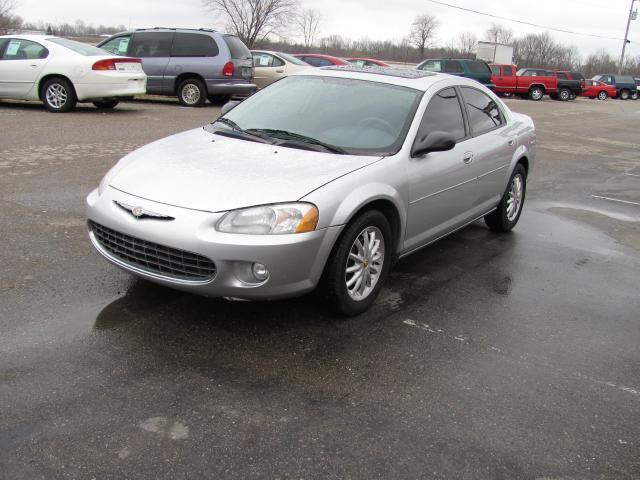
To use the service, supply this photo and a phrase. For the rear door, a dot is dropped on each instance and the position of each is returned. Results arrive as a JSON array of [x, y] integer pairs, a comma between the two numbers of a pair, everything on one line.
[[453, 67], [267, 68], [154, 48], [20, 66], [241, 58], [196, 53]]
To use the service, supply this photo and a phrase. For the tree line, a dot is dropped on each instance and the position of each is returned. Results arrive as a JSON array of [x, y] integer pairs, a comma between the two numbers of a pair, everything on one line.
[[284, 26]]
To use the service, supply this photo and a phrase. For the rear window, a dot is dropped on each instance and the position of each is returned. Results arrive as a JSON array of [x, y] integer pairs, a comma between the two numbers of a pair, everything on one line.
[[194, 45], [292, 59], [78, 47], [508, 70], [479, 67], [238, 49]]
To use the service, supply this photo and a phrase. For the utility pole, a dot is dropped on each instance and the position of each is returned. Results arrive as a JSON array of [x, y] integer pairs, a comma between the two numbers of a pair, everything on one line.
[[626, 40]]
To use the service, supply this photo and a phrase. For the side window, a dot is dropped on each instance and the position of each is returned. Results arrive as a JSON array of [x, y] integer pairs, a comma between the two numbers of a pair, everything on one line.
[[562, 75], [151, 44], [19, 49], [484, 113], [495, 70], [266, 60], [443, 113], [318, 62], [432, 66], [508, 71], [3, 42], [359, 63], [118, 45], [453, 66], [193, 45]]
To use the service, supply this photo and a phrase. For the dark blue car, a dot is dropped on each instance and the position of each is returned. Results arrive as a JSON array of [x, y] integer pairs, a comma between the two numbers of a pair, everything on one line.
[[625, 85]]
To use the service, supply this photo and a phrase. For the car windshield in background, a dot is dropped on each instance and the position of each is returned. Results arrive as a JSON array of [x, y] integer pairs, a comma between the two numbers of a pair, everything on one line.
[[239, 50], [81, 48], [357, 116], [292, 59]]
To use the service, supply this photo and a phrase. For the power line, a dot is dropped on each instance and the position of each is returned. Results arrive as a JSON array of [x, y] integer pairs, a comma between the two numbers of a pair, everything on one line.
[[522, 21]]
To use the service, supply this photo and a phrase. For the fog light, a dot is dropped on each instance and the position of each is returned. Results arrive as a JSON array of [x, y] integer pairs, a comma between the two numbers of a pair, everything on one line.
[[260, 271]]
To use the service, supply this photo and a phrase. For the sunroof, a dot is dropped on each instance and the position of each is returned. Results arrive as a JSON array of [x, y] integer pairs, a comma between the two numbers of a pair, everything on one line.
[[392, 72]]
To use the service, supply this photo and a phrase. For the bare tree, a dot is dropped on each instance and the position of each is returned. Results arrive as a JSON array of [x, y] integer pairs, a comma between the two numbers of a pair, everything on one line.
[[467, 43], [254, 20], [8, 20], [497, 33], [308, 23], [423, 31]]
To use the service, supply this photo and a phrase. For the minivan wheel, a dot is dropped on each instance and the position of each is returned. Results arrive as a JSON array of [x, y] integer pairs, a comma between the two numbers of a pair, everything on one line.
[[192, 93], [58, 95], [505, 217], [564, 94], [536, 93], [359, 264], [107, 103], [602, 95], [624, 95]]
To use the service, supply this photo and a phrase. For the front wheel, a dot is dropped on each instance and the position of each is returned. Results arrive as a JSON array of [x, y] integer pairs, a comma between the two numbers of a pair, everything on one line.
[[505, 217], [602, 95], [106, 104], [564, 94], [536, 93], [58, 95], [192, 93], [359, 264], [634, 95]]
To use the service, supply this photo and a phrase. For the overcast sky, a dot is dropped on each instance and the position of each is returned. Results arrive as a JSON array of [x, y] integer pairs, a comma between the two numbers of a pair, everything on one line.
[[376, 19]]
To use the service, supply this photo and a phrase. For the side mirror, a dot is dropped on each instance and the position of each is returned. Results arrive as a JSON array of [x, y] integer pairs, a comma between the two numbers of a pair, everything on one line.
[[227, 107], [436, 141]]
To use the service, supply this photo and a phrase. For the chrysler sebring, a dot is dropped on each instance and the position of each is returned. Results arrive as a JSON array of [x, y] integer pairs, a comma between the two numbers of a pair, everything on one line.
[[323, 179]]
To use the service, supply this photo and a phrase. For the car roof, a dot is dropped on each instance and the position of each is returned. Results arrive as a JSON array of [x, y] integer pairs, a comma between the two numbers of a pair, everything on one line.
[[405, 77]]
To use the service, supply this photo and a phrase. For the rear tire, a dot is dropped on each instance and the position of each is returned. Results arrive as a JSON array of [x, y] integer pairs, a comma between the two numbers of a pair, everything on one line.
[[625, 94], [536, 93], [355, 272], [634, 95], [564, 94], [58, 95], [192, 93], [106, 104], [602, 95], [506, 216]]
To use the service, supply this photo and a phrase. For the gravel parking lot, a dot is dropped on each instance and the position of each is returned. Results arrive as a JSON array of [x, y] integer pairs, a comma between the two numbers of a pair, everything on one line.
[[486, 357]]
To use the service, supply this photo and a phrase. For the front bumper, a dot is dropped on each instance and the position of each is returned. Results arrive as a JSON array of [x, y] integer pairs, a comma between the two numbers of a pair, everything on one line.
[[295, 262]]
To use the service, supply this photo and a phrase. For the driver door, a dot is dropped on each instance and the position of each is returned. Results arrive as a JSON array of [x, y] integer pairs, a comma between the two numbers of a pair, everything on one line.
[[441, 184]]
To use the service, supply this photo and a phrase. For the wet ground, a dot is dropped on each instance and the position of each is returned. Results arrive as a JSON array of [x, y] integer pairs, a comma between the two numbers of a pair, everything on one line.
[[486, 357]]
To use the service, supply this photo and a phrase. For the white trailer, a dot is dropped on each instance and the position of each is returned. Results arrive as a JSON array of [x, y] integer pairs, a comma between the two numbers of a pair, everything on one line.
[[495, 53]]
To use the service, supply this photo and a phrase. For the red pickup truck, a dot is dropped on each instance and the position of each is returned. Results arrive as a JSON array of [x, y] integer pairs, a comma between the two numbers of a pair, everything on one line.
[[527, 82]]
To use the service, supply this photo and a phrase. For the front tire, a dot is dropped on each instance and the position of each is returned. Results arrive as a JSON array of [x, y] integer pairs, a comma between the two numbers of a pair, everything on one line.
[[192, 93], [106, 104], [58, 95], [359, 264], [506, 216], [602, 95], [564, 94], [634, 95], [536, 93]]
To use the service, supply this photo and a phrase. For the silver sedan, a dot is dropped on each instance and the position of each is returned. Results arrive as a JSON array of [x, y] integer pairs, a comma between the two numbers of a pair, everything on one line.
[[322, 179]]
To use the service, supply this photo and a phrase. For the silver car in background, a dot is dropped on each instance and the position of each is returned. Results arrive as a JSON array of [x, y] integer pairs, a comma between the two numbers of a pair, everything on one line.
[[324, 178]]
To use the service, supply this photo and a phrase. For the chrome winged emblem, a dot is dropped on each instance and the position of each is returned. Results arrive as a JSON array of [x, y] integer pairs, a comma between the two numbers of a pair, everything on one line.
[[140, 213]]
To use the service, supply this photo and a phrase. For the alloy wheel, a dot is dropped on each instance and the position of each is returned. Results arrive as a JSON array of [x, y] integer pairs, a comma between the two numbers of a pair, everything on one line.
[[602, 95], [514, 197], [364, 263], [191, 94], [56, 95]]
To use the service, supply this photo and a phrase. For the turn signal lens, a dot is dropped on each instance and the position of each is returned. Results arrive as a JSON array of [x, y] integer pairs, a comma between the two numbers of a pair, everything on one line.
[[309, 221]]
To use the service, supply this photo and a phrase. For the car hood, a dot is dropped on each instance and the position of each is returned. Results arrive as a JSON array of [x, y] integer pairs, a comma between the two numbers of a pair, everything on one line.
[[204, 171]]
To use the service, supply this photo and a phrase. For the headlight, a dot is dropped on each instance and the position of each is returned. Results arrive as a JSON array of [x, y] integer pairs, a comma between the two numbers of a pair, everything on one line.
[[271, 219]]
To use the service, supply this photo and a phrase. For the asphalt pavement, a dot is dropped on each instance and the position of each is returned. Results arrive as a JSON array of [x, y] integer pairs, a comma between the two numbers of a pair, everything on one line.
[[487, 356]]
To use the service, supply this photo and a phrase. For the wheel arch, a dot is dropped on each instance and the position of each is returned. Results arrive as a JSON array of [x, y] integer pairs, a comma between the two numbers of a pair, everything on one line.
[[184, 76], [541, 85], [390, 211], [48, 77]]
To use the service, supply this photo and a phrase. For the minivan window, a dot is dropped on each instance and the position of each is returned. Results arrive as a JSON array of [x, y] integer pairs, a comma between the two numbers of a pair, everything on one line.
[[117, 46], [478, 67], [151, 44], [194, 45], [239, 50], [483, 111], [443, 113]]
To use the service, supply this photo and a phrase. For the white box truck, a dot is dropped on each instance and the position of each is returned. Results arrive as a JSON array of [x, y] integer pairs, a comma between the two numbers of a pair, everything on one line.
[[495, 53]]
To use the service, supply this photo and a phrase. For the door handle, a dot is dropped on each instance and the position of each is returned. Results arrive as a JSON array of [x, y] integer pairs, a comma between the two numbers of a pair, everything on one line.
[[33, 65], [280, 71], [467, 157]]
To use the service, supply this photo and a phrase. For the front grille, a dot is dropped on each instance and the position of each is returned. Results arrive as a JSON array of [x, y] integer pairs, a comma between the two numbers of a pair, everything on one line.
[[167, 261]]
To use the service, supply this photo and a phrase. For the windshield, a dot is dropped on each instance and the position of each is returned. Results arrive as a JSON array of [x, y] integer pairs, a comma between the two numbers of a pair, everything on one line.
[[78, 47], [357, 116]]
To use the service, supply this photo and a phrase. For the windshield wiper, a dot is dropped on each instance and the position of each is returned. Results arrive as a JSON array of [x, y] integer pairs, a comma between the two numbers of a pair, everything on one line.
[[245, 133], [297, 136]]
